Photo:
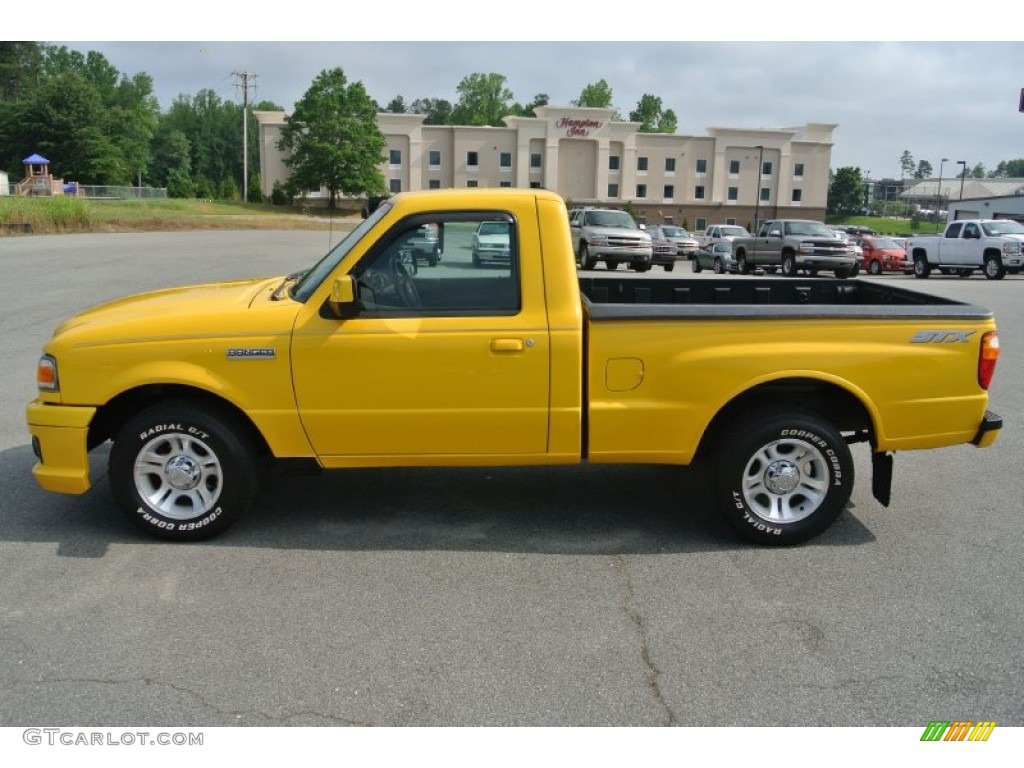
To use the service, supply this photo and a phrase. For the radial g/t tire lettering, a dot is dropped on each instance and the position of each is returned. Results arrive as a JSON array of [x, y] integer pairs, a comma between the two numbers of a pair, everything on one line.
[[783, 478], [182, 471]]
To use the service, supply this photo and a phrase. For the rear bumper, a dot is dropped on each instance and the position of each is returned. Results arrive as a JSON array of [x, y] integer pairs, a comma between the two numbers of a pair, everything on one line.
[[988, 431], [60, 441]]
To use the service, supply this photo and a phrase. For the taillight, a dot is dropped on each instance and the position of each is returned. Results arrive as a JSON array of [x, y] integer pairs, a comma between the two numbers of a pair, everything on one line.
[[987, 357]]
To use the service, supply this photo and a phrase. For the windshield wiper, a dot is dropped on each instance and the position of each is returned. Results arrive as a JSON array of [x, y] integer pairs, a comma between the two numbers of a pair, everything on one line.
[[276, 295]]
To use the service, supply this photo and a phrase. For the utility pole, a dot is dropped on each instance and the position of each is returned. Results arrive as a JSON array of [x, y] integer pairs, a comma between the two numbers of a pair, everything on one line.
[[244, 84]]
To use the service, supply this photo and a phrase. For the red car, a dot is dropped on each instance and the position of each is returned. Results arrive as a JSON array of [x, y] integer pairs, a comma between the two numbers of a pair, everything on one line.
[[883, 254]]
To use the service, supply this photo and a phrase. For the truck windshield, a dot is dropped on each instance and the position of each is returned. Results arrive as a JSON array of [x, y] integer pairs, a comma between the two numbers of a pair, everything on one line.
[[1007, 227], [733, 232], [619, 219], [807, 228], [303, 289]]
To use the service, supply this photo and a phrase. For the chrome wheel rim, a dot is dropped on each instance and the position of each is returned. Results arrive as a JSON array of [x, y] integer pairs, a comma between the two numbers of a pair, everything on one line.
[[785, 481], [178, 475]]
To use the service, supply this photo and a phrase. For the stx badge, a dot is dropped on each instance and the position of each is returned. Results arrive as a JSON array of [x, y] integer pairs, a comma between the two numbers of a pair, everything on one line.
[[942, 337]]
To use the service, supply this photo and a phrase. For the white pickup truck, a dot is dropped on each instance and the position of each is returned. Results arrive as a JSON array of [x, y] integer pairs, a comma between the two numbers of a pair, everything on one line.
[[995, 246], [721, 233]]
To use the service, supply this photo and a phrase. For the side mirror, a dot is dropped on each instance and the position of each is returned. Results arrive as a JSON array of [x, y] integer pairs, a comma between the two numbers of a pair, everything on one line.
[[343, 302]]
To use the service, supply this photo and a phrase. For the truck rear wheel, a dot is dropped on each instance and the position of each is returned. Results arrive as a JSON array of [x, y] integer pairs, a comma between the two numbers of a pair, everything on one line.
[[180, 471], [784, 477], [921, 266], [741, 263]]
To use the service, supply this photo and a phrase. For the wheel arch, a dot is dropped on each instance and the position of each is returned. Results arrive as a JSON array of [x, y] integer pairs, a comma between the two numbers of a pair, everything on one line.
[[113, 415], [829, 400]]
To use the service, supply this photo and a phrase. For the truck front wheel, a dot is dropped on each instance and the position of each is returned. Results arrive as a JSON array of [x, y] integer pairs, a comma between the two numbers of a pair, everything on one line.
[[994, 269], [788, 265], [783, 478], [182, 472]]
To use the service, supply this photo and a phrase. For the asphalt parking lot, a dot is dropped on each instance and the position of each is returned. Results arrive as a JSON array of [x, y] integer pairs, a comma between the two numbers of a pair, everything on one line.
[[582, 596]]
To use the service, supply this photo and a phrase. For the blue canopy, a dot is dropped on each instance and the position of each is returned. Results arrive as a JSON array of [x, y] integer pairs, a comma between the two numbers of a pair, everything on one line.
[[35, 160]]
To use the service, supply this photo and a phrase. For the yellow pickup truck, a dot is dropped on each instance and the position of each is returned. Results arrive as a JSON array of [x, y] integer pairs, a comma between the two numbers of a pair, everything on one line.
[[372, 359]]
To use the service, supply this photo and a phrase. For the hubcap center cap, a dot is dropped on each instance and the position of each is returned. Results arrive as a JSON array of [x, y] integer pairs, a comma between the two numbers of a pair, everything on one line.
[[182, 472], [781, 477]]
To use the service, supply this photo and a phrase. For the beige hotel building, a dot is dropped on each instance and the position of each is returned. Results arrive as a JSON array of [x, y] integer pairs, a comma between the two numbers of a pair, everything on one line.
[[728, 176]]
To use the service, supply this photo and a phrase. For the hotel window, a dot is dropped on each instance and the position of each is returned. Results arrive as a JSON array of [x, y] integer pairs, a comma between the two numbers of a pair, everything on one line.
[[434, 159], [471, 183], [395, 158], [700, 224], [798, 170], [798, 195], [472, 160], [505, 161], [505, 184], [734, 166], [613, 190], [395, 185], [765, 194], [434, 184], [534, 185], [698, 192], [702, 166], [641, 164], [766, 168], [734, 193], [613, 162], [641, 190], [670, 191], [670, 165], [535, 160]]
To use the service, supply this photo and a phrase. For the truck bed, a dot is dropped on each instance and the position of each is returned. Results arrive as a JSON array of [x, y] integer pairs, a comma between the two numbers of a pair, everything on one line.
[[619, 298]]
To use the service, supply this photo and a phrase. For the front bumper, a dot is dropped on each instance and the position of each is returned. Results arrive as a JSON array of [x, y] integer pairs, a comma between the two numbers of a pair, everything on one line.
[[60, 437]]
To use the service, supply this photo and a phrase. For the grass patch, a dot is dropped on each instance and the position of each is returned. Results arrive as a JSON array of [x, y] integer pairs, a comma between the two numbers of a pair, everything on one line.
[[887, 226], [53, 215]]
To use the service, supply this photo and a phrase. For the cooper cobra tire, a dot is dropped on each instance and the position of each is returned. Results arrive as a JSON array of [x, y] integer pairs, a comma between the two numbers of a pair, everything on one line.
[[182, 471], [783, 478]]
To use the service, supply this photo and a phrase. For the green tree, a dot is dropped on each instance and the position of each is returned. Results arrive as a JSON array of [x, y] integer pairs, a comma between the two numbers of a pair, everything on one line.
[[923, 171], [597, 94], [483, 100], [1008, 169], [906, 164], [846, 192], [437, 111], [526, 110], [652, 117], [21, 66], [396, 106], [978, 172], [333, 140]]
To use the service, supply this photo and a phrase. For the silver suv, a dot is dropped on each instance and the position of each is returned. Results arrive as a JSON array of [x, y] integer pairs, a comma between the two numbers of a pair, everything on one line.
[[611, 236]]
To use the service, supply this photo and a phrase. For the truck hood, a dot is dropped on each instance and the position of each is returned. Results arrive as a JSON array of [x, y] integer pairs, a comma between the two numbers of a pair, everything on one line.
[[210, 310]]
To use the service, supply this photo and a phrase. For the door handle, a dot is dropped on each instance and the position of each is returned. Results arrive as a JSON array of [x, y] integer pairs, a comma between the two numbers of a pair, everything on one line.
[[507, 345]]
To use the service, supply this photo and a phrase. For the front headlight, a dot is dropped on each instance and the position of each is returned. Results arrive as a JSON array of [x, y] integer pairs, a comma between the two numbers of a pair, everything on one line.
[[46, 374]]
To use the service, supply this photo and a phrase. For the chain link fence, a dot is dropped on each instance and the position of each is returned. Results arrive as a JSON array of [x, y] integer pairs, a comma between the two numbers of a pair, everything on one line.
[[97, 192]]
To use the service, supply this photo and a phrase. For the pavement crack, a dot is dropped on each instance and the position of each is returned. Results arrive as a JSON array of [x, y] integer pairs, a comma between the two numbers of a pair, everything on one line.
[[653, 674]]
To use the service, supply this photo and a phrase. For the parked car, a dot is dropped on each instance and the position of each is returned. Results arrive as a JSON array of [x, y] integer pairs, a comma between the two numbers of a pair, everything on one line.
[[423, 244], [715, 256], [686, 244], [491, 243], [883, 254], [608, 235], [665, 252]]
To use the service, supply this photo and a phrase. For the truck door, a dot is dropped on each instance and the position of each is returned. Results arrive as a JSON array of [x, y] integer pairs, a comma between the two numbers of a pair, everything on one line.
[[450, 359], [950, 245]]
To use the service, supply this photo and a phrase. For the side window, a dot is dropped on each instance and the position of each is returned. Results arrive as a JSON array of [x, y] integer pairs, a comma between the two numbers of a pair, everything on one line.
[[971, 230], [442, 265], [953, 231]]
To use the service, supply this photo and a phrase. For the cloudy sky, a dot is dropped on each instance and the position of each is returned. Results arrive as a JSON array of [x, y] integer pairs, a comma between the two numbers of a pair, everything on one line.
[[935, 98]]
